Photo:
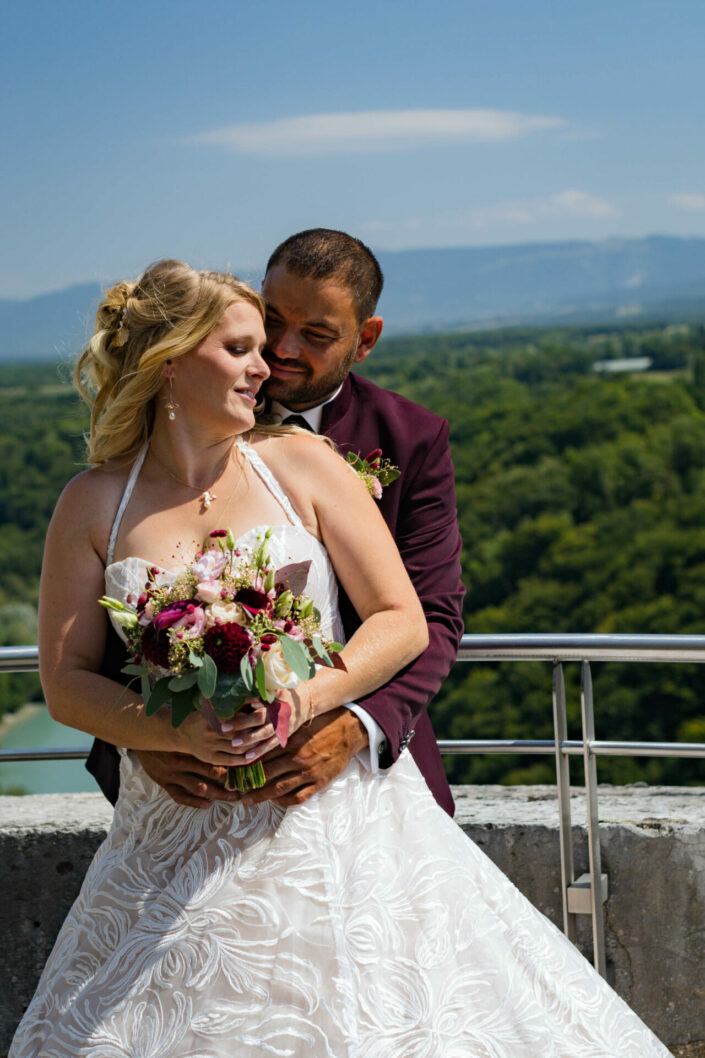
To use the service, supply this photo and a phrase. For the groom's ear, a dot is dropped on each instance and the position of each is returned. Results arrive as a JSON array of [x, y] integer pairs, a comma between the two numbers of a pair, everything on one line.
[[369, 333]]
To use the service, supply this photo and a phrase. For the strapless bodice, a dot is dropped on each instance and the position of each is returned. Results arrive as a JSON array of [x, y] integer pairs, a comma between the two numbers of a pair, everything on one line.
[[125, 579]]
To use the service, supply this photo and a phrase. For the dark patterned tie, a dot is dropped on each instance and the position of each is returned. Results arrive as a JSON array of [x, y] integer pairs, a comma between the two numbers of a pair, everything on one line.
[[298, 420]]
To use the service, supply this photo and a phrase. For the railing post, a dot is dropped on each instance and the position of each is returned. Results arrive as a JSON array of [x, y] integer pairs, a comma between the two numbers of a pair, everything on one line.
[[560, 734], [598, 883]]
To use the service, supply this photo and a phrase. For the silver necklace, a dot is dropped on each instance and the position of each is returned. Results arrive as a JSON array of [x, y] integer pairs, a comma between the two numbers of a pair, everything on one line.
[[206, 495]]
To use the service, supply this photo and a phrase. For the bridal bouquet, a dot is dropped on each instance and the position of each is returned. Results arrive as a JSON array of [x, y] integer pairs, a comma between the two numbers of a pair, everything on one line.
[[227, 629]]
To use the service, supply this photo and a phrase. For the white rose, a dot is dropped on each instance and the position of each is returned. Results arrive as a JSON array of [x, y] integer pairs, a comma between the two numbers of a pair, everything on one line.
[[277, 674], [226, 613]]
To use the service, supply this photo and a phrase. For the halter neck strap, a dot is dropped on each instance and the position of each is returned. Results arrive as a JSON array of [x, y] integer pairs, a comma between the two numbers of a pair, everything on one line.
[[267, 477], [134, 474]]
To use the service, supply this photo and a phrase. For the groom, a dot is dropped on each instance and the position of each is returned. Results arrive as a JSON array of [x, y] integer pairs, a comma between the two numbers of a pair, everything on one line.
[[321, 288]]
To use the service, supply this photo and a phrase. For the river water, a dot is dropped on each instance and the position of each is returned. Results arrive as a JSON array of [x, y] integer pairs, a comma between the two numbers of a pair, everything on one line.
[[36, 729]]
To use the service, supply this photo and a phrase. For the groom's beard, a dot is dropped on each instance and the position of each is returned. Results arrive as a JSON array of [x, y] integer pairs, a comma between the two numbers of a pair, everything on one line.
[[304, 388]]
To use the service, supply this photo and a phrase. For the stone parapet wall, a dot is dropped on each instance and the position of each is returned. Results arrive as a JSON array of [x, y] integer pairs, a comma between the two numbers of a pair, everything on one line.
[[653, 849]]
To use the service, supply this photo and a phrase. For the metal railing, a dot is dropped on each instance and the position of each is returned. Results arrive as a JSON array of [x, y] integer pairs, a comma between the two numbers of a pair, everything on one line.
[[584, 895]]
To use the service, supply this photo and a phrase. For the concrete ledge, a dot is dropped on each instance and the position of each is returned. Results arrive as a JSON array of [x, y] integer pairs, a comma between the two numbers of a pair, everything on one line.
[[653, 849]]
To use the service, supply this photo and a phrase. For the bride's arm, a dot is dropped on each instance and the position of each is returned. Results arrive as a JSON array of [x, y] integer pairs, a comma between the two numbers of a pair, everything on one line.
[[335, 505], [72, 628], [368, 565]]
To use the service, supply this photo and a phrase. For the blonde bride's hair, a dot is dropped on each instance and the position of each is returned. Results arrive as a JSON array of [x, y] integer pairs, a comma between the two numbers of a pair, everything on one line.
[[138, 327]]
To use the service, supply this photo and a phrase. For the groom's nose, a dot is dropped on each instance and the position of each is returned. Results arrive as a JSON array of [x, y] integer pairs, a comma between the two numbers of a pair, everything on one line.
[[284, 343]]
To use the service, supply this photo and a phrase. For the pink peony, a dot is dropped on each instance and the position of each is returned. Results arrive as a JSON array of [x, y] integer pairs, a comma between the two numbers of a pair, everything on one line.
[[210, 565]]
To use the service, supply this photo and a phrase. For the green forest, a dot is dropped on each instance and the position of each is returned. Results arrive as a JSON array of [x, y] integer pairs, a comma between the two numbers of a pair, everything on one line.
[[581, 497]]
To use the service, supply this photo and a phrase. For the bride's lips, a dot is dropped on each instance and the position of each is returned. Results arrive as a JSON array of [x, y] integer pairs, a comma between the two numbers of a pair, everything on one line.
[[249, 395]]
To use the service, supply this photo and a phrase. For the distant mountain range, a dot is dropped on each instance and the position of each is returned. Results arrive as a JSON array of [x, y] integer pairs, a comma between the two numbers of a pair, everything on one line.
[[617, 280]]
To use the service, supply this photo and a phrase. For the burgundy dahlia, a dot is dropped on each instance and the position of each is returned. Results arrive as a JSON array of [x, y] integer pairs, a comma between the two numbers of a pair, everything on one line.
[[155, 646], [227, 644]]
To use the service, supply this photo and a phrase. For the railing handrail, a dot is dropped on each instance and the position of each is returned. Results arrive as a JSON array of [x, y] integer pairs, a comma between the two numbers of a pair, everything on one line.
[[509, 646], [580, 646]]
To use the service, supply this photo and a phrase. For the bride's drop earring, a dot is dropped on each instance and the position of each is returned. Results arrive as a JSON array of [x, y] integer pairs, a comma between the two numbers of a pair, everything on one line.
[[171, 406]]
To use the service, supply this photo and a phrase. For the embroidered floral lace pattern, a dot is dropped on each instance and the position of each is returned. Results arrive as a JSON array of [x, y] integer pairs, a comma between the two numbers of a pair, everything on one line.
[[362, 924]]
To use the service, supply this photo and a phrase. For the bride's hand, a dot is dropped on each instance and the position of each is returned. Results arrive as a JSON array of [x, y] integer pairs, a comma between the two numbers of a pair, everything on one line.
[[256, 731], [204, 740]]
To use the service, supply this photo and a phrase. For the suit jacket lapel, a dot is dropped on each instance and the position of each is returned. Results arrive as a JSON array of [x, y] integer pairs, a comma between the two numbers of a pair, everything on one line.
[[334, 412]]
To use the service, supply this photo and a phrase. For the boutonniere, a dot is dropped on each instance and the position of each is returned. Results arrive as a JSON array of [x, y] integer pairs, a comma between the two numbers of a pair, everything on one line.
[[375, 471]]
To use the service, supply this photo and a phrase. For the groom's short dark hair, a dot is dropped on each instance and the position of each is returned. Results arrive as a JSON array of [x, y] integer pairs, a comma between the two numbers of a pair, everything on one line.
[[322, 253]]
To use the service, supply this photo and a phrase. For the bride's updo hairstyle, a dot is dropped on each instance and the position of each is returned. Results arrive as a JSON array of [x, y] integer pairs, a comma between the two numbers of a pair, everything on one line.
[[138, 327]]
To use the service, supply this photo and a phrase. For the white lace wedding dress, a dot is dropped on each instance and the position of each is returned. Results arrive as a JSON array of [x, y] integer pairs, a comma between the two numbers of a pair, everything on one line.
[[362, 924]]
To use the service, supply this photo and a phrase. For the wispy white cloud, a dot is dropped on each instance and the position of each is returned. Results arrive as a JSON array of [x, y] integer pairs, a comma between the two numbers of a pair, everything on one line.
[[374, 131], [570, 203], [690, 200], [580, 202]]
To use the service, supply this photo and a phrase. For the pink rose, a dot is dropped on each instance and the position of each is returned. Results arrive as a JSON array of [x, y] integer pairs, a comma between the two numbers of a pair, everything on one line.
[[208, 590]]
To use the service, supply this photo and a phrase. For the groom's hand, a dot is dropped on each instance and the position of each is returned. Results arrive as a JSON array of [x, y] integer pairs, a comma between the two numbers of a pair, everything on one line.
[[315, 755], [187, 780]]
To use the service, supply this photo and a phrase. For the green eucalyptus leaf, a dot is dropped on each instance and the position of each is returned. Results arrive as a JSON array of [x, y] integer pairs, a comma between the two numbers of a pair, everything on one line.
[[183, 682], [260, 680], [207, 676], [222, 707], [297, 657], [134, 670], [225, 683], [145, 688], [321, 650], [160, 693], [182, 704], [247, 674], [195, 659]]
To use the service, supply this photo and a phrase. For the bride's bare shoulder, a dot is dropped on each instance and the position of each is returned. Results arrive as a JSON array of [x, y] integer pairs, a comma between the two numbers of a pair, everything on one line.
[[298, 453], [89, 501]]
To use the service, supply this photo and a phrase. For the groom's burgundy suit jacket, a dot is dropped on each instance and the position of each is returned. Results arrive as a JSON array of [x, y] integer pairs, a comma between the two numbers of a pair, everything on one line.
[[419, 508]]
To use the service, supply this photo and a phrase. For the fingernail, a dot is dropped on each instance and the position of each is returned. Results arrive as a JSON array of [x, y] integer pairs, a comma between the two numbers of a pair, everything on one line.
[[226, 727], [236, 742], [250, 755]]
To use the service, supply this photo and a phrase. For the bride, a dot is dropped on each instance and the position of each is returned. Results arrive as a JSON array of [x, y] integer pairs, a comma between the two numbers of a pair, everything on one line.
[[362, 923]]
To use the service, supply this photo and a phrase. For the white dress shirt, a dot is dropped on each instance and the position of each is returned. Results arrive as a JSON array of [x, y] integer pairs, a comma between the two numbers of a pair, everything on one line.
[[377, 739]]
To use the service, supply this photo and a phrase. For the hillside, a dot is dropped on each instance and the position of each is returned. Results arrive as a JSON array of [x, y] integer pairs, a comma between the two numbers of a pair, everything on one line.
[[657, 278]]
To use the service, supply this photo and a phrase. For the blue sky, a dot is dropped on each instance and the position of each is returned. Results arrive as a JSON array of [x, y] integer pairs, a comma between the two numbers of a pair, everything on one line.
[[212, 131]]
